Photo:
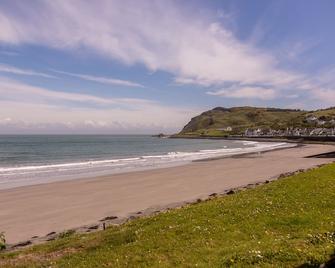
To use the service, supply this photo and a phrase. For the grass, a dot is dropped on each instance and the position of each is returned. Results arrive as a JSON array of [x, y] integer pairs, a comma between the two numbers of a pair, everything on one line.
[[287, 223]]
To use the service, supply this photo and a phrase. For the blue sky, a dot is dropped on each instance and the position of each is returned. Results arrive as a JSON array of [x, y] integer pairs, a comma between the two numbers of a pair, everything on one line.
[[149, 66]]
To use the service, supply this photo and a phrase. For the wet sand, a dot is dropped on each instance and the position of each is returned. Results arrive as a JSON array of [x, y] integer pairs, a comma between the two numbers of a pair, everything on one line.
[[40, 209]]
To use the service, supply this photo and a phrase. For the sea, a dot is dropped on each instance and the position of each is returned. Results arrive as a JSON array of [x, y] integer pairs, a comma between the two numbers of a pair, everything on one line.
[[35, 159]]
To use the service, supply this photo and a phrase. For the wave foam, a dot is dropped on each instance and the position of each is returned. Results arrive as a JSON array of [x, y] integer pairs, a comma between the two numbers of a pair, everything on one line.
[[81, 169]]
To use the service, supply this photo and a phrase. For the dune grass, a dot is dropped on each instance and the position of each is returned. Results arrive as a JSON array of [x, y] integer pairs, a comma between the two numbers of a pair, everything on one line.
[[286, 223]]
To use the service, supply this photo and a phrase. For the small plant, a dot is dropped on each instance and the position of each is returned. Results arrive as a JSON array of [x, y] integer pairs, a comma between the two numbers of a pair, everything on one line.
[[66, 234], [2, 241]]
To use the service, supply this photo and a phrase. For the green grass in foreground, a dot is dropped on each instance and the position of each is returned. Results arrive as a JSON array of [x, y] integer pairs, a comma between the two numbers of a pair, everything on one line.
[[286, 223]]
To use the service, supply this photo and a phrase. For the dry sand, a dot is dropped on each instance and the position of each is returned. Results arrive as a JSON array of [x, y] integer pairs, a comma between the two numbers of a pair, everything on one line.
[[37, 210]]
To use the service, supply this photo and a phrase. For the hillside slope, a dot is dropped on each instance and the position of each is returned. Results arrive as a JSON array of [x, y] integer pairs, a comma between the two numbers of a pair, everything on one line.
[[237, 120]]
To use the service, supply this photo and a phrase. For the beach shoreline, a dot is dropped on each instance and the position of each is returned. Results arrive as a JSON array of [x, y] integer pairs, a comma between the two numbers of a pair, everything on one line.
[[38, 210], [21, 175], [330, 140]]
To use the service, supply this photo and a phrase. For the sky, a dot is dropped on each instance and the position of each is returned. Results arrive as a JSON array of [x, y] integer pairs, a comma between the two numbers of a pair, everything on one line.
[[142, 67]]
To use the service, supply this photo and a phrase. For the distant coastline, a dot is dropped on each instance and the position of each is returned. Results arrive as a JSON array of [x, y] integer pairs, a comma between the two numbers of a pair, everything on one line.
[[289, 139], [262, 124]]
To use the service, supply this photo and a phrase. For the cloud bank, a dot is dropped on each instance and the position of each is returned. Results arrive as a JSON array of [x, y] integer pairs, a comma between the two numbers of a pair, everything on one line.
[[30, 109]]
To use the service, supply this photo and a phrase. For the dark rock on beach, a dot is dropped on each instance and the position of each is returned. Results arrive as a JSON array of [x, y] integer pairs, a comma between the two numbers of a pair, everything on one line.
[[22, 244], [94, 227], [109, 218], [52, 233], [231, 192]]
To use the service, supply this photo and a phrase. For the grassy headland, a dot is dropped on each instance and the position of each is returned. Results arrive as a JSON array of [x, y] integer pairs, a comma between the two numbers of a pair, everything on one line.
[[221, 121], [286, 223]]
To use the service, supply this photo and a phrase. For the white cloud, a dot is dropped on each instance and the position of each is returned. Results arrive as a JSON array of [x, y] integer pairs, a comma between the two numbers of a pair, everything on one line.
[[246, 92], [158, 34], [318, 88], [5, 121], [10, 69], [103, 80], [327, 96], [14, 90], [192, 81], [33, 118], [40, 110]]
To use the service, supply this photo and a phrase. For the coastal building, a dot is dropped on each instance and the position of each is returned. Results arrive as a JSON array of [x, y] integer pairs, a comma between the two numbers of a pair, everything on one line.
[[229, 128], [294, 132], [311, 119]]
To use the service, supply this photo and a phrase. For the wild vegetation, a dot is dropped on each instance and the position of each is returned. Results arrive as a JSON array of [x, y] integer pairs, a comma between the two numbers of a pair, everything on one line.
[[2, 241], [235, 121], [286, 223]]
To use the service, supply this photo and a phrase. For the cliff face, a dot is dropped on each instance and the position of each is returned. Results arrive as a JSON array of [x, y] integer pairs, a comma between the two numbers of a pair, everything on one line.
[[237, 120]]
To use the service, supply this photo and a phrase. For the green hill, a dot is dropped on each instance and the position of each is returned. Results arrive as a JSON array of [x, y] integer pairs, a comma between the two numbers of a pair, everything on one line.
[[234, 121]]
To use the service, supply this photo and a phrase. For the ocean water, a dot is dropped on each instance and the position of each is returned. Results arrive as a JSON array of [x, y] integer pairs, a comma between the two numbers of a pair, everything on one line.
[[34, 159]]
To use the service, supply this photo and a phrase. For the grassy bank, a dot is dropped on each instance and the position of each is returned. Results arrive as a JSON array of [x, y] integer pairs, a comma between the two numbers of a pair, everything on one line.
[[287, 223]]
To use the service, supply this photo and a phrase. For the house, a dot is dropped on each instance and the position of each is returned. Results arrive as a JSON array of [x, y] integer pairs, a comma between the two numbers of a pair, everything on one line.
[[311, 119], [320, 122], [225, 129]]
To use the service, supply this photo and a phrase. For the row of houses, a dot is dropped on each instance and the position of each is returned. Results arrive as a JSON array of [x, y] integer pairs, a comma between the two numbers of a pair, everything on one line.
[[291, 132]]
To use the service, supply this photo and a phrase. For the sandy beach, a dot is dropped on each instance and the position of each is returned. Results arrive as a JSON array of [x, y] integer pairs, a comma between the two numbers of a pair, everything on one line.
[[40, 209]]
